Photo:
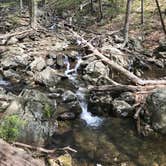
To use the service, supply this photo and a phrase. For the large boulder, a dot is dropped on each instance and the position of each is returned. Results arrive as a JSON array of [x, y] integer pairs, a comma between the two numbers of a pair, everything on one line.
[[10, 155], [49, 77], [156, 106], [34, 115], [94, 71]]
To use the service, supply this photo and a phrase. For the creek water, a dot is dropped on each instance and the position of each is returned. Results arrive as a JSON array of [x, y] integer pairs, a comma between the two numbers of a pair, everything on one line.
[[109, 141]]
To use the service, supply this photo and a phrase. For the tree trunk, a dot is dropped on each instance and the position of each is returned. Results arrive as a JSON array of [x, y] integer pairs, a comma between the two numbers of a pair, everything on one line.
[[33, 13], [126, 24], [142, 12], [100, 10], [161, 18], [21, 6], [91, 6]]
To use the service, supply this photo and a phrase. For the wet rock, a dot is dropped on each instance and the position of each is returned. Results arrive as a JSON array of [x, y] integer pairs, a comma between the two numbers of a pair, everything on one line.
[[100, 104], [67, 116], [156, 106], [69, 96], [37, 112], [11, 155], [38, 64], [121, 108], [49, 77]]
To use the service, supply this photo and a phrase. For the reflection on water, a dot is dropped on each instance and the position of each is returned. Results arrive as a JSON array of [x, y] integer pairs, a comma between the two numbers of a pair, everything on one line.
[[112, 143]]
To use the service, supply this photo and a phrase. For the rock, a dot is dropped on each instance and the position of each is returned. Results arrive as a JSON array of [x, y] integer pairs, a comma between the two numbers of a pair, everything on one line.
[[36, 112], [127, 97], [116, 55], [60, 45], [69, 96], [22, 60], [121, 108], [11, 155], [50, 62], [63, 160], [94, 71], [12, 40], [9, 62], [49, 77], [12, 75], [38, 64], [156, 106], [100, 104], [67, 116]]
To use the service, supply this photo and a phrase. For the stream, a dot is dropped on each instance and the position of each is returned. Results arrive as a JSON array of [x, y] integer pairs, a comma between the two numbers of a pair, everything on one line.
[[106, 141]]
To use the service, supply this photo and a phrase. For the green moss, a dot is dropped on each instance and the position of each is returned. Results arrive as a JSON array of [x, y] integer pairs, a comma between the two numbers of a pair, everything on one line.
[[47, 111], [10, 127]]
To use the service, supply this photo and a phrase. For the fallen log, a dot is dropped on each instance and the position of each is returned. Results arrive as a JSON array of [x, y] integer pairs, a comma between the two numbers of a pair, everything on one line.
[[42, 150], [132, 77]]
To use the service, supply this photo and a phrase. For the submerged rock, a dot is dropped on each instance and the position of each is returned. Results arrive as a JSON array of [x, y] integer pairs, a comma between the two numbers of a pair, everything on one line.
[[156, 106], [37, 114]]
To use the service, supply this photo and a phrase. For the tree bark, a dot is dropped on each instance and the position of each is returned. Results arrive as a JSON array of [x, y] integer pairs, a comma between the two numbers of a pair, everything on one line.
[[126, 24], [142, 12], [100, 10], [33, 13], [161, 18], [21, 6]]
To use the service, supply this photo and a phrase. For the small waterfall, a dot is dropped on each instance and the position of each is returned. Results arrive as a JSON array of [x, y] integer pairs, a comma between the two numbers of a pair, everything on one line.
[[91, 120]]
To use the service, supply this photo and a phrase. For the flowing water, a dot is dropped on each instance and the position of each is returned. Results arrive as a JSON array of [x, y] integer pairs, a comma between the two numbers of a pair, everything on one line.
[[81, 94], [108, 141]]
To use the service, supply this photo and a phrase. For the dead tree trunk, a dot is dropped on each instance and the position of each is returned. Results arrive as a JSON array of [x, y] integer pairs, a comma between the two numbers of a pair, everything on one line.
[[33, 13], [126, 24], [161, 18]]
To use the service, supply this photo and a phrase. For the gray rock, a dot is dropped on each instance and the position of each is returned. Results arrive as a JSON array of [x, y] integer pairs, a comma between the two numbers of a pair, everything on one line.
[[49, 77], [11, 75], [121, 108], [60, 60], [127, 97], [37, 112], [69, 96], [156, 105], [12, 40], [38, 64], [9, 62], [100, 104]]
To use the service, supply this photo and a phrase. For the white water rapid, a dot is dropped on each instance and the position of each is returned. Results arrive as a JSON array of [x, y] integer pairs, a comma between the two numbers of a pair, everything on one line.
[[91, 120]]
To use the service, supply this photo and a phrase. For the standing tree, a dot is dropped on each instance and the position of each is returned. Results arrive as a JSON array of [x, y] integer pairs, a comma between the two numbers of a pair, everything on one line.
[[100, 10], [33, 13], [126, 24], [91, 6], [142, 12], [21, 6], [161, 18]]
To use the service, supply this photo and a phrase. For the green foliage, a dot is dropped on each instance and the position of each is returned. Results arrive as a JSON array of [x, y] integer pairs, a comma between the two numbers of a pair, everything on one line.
[[47, 111], [10, 127]]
